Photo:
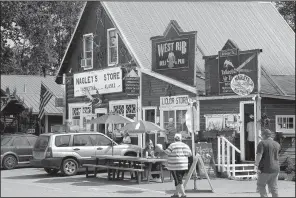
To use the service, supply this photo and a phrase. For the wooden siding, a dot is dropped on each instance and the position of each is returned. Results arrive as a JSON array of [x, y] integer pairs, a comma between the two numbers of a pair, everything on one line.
[[273, 107], [153, 89]]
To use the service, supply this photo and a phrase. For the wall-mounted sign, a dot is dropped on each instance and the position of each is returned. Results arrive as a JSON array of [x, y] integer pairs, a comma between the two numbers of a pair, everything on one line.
[[132, 86], [103, 81], [174, 101], [227, 63], [172, 54], [242, 85]]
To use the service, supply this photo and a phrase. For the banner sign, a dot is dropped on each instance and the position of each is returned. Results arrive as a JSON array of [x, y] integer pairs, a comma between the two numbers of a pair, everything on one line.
[[174, 101], [132, 86], [104, 81], [238, 72], [172, 54]]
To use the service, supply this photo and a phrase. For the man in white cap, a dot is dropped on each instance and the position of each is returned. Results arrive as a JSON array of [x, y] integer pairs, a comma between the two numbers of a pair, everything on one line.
[[178, 153]]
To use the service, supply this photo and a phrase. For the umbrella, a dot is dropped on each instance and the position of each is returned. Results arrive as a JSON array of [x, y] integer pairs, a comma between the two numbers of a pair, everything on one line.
[[141, 126], [111, 118]]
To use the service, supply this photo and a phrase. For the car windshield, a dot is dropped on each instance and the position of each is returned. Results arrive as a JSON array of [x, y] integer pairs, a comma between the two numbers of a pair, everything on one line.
[[41, 142], [5, 140]]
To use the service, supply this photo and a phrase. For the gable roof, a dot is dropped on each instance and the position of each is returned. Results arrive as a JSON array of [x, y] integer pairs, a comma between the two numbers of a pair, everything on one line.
[[251, 25], [28, 89]]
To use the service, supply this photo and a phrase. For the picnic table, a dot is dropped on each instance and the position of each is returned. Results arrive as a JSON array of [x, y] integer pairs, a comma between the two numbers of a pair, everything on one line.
[[121, 164]]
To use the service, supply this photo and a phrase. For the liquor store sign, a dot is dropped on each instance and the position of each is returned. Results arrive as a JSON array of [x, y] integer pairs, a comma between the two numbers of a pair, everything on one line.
[[174, 101], [104, 81]]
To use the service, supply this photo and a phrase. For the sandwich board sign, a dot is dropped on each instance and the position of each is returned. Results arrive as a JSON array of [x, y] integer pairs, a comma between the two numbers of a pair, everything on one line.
[[197, 159]]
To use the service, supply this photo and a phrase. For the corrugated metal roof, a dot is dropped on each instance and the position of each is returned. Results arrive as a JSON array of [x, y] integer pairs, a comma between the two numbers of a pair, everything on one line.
[[252, 25], [31, 94]]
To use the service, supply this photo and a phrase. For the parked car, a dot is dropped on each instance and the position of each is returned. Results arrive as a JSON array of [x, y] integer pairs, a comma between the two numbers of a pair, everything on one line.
[[67, 152], [16, 149]]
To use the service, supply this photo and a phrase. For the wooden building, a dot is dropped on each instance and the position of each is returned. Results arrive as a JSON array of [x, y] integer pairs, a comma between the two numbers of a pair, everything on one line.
[[172, 47]]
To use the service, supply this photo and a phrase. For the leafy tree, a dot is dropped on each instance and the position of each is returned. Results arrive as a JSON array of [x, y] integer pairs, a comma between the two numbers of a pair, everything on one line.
[[287, 9], [35, 34]]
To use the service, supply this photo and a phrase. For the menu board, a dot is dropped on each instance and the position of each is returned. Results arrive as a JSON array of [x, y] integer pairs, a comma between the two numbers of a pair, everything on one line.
[[206, 152], [132, 86]]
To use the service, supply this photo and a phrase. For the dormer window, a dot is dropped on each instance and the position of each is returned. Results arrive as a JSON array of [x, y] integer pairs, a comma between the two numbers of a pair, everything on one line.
[[112, 42], [87, 59]]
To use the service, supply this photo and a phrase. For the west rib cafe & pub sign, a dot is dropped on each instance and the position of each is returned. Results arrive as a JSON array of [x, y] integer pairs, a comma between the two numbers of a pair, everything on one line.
[[235, 72], [173, 54]]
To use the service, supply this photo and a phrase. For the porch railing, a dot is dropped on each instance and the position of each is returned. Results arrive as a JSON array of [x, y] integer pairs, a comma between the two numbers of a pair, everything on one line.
[[229, 152]]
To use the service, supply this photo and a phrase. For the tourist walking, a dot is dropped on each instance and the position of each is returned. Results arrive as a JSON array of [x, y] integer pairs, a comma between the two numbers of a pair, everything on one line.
[[178, 153], [267, 164]]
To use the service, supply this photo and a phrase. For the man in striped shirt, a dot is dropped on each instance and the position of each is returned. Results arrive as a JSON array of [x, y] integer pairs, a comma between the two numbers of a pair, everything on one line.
[[178, 153]]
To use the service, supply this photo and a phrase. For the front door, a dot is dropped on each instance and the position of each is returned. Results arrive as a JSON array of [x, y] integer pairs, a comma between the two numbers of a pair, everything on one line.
[[248, 130]]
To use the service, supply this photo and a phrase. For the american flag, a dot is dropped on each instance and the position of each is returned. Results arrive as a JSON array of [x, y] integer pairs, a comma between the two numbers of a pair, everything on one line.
[[45, 96]]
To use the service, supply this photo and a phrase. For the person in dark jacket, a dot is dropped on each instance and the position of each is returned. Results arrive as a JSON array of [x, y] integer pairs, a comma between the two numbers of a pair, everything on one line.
[[267, 164]]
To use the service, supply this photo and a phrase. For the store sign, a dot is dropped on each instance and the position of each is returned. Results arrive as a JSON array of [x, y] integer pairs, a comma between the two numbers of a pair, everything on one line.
[[174, 101], [228, 62], [240, 64], [242, 85], [132, 86], [172, 54], [104, 81]]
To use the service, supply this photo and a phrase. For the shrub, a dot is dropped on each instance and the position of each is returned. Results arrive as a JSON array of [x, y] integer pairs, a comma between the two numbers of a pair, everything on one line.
[[289, 165]]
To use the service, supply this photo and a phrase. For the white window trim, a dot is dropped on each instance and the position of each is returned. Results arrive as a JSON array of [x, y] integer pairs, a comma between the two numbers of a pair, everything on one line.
[[149, 108], [92, 52], [277, 129], [124, 102], [175, 109], [108, 54], [78, 105]]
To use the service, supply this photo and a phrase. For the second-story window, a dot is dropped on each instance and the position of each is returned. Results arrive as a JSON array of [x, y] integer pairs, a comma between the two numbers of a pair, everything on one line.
[[87, 59], [112, 40]]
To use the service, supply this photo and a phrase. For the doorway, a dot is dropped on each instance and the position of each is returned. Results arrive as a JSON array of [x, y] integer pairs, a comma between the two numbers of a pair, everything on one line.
[[149, 114], [100, 127], [248, 130]]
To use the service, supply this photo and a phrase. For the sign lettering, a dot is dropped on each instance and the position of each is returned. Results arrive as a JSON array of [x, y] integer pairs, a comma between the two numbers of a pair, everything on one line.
[[172, 54], [174, 101], [103, 81]]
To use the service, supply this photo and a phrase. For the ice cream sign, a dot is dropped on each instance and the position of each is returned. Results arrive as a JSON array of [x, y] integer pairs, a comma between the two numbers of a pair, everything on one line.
[[102, 81], [172, 54]]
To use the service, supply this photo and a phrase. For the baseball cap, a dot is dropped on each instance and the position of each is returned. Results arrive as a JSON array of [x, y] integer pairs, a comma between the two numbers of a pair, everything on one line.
[[178, 137], [267, 132]]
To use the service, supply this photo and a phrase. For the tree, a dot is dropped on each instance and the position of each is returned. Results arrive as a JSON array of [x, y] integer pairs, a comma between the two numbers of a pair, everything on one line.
[[287, 10], [35, 34]]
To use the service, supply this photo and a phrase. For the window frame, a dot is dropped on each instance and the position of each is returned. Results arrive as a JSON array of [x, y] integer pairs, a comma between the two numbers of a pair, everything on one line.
[[223, 118], [92, 50], [55, 141], [283, 130], [108, 47], [22, 138], [77, 136]]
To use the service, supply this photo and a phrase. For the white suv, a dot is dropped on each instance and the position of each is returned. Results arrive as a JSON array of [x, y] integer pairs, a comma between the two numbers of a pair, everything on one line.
[[69, 151]]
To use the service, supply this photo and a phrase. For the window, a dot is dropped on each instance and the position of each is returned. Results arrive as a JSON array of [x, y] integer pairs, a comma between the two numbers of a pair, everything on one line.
[[82, 140], [41, 143], [87, 60], [125, 108], [112, 43], [221, 121], [181, 120], [32, 140], [20, 141], [5, 140], [100, 140], [62, 141], [285, 123], [166, 116]]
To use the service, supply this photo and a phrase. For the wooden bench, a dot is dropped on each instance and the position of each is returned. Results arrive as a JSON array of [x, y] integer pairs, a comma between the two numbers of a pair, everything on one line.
[[114, 168]]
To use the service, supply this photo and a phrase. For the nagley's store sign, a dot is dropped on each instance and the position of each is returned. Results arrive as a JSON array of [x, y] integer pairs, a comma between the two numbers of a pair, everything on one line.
[[104, 81], [172, 54]]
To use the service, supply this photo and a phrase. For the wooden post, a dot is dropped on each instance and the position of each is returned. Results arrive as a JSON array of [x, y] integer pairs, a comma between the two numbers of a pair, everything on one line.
[[223, 154], [228, 159], [219, 153], [233, 162]]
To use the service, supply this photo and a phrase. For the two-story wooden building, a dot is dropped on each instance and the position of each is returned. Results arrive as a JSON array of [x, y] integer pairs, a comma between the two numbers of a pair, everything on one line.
[[168, 45]]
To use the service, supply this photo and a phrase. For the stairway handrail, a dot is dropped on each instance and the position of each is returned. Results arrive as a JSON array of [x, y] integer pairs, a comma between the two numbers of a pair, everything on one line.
[[225, 139]]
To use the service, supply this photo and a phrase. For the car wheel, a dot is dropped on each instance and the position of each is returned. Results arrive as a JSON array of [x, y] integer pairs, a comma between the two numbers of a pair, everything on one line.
[[51, 171], [70, 167], [9, 162]]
